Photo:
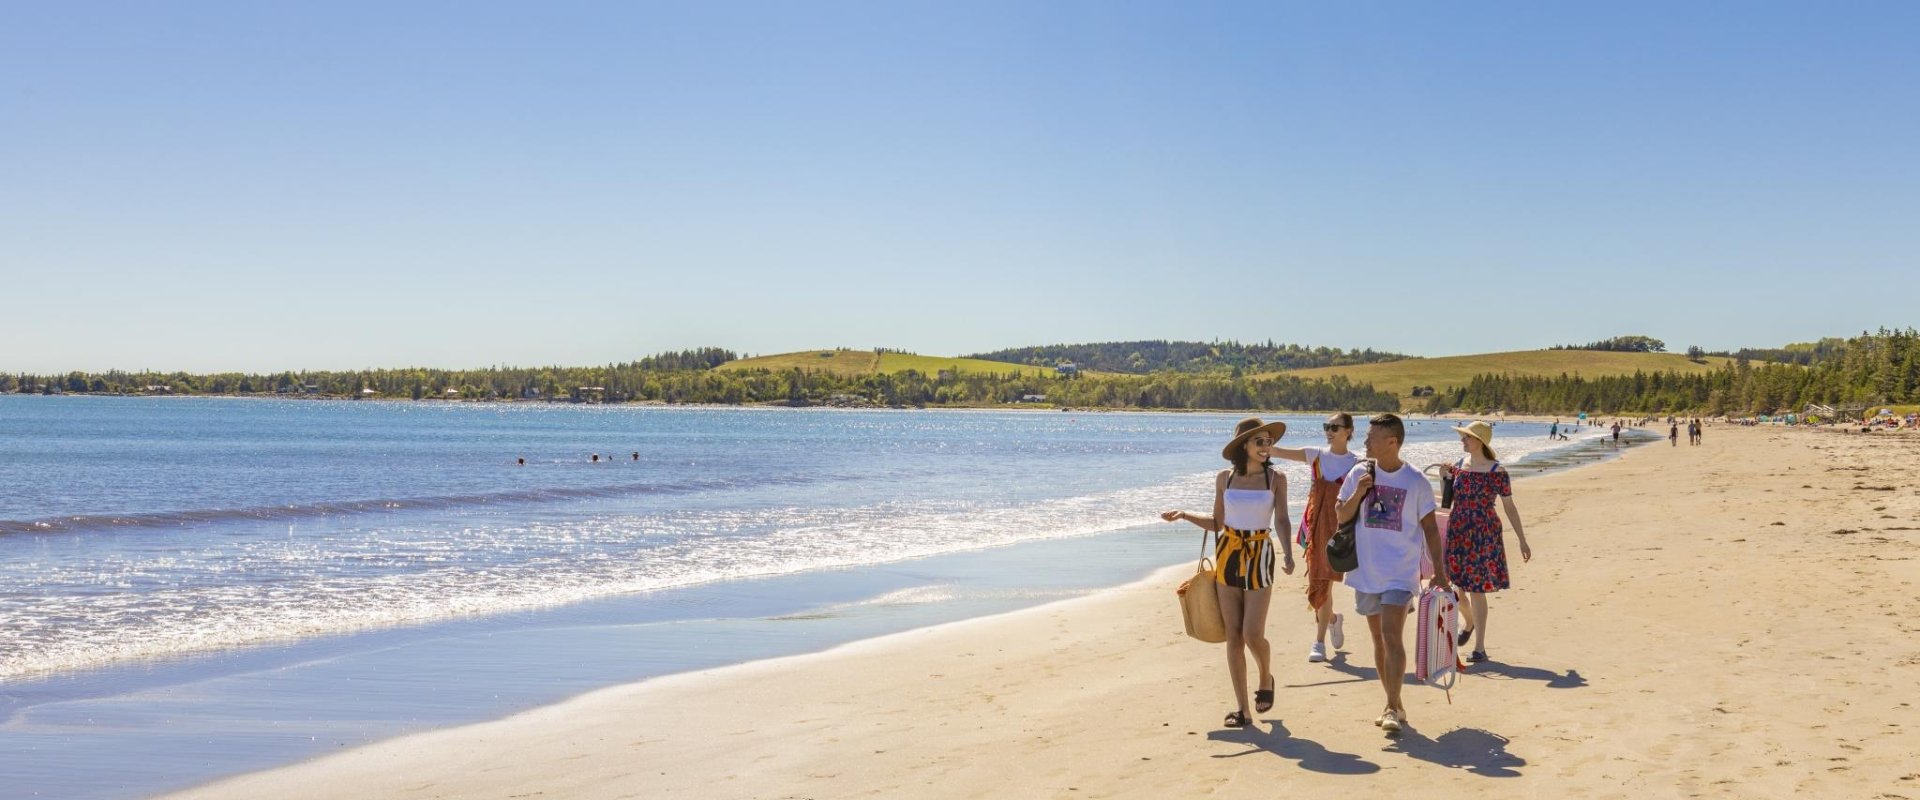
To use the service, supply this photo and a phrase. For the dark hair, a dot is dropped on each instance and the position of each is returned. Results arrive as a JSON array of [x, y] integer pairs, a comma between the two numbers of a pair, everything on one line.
[[1240, 459], [1484, 449], [1392, 424], [1343, 418]]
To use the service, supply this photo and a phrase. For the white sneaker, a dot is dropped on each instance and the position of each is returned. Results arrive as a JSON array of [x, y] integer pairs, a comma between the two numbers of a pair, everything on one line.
[[1337, 632], [1317, 654]]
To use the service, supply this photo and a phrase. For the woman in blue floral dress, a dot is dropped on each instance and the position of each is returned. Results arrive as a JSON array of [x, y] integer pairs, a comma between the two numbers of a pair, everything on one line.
[[1476, 550]]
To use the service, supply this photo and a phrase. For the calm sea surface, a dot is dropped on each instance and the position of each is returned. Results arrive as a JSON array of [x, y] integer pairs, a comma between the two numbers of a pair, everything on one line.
[[141, 527]]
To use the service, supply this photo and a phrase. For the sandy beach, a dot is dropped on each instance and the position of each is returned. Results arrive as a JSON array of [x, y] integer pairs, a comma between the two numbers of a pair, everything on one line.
[[1728, 620]]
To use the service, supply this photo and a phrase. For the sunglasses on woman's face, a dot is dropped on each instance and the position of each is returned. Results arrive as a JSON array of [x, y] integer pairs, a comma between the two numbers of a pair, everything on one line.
[[1330, 427], [1261, 441]]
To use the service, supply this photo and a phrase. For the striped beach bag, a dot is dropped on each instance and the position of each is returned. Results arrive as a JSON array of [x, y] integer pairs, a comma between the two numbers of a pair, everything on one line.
[[1436, 661]]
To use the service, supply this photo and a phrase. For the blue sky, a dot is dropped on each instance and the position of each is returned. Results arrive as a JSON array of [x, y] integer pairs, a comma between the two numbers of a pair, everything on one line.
[[263, 186]]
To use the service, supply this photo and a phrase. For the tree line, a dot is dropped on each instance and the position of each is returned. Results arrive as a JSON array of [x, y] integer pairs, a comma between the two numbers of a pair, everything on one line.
[[1619, 344], [1874, 368], [688, 377], [1223, 358]]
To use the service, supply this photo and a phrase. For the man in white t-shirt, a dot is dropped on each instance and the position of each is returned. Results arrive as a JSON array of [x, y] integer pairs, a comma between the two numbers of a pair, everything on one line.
[[1395, 505]]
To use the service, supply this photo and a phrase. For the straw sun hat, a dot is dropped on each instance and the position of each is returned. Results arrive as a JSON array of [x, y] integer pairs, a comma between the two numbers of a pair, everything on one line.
[[1247, 429], [1483, 432]]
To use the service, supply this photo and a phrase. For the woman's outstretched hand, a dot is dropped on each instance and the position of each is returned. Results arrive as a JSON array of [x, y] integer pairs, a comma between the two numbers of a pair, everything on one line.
[[1171, 516]]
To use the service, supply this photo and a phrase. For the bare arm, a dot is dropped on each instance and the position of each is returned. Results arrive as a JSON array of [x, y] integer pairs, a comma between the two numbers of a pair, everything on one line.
[[1220, 499], [1431, 529], [1283, 522], [1513, 515], [1350, 507], [1290, 455], [1205, 523]]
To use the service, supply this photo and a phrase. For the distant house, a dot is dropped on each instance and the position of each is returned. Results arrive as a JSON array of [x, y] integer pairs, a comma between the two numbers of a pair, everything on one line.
[[1033, 398], [1066, 369], [311, 388], [451, 392], [157, 388], [368, 392]]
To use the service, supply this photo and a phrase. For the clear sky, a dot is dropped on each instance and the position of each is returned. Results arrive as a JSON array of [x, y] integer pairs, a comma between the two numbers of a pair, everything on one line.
[[259, 186]]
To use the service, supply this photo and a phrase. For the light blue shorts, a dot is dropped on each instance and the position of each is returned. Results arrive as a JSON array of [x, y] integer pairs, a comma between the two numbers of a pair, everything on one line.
[[1368, 604]]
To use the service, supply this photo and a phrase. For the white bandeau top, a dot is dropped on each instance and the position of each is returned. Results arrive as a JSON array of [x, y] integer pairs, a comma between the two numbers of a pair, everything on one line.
[[1249, 509]]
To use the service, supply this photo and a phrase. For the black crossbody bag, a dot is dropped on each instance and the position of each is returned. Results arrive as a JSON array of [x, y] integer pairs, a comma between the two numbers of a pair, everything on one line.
[[1343, 553]]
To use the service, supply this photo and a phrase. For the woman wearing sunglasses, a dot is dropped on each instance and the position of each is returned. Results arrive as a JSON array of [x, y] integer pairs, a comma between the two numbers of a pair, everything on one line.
[[1328, 467], [1249, 507]]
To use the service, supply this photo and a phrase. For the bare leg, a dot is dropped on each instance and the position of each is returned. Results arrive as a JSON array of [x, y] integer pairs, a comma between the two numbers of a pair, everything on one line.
[[1230, 611], [1253, 630], [1477, 603], [1379, 652], [1392, 624], [1322, 617]]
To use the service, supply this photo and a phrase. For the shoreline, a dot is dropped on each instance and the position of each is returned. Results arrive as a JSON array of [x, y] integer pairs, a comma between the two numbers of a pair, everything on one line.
[[1091, 678], [1565, 419]]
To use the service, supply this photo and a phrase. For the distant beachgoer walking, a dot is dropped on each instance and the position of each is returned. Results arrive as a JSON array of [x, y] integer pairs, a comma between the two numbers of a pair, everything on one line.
[[1476, 546], [1699, 428], [1327, 469], [1553, 431], [1249, 506], [1394, 505], [1616, 432], [1673, 434]]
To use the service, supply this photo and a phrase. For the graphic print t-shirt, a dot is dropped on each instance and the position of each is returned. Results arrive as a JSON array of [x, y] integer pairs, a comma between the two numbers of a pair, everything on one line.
[[1389, 537]]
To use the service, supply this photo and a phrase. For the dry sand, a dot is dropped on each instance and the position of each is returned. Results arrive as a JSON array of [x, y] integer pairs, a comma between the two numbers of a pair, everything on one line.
[[1730, 620]]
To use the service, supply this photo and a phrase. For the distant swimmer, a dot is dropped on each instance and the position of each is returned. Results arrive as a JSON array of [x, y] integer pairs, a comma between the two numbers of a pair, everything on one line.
[[596, 458], [523, 462], [636, 456]]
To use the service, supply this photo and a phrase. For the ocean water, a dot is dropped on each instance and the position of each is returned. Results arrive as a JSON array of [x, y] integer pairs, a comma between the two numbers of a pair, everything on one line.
[[195, 586]]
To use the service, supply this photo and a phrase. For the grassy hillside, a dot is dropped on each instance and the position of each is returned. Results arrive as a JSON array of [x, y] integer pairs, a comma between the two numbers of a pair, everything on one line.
[[867, 362], [1400, 377]]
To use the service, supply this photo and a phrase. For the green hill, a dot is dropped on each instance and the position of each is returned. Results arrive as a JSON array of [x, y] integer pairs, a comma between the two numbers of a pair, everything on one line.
[[1400, 377], [867, 362], [1145, 357]]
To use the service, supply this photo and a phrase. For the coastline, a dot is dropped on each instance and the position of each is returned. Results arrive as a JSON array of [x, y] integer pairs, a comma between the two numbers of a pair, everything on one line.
[[1100, 695]]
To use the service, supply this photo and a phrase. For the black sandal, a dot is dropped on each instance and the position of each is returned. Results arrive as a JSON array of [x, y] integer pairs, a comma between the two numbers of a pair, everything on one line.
[[1263, 700], [1461, 640], [1236, 719]]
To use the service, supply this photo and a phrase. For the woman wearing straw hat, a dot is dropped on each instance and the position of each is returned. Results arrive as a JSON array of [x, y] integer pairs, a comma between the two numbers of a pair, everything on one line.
[[1476, 550], [1249, 506]]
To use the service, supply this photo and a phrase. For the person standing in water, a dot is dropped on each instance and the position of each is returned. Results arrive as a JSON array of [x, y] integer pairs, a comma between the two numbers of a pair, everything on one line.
[[1393, 504], [1249, 505], [1326, 468], [1476, 545]]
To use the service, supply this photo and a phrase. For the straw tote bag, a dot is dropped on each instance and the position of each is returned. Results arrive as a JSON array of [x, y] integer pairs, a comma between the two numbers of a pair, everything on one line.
[[1200, 604]]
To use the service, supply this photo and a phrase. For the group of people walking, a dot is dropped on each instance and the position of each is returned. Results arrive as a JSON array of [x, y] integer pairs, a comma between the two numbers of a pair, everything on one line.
[[1393, 508], [1693, 431]]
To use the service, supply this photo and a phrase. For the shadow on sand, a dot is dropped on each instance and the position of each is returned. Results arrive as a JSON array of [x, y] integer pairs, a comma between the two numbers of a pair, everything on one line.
[[1480, 752], [1280, 742], [1494, 670], [1340, 664]]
